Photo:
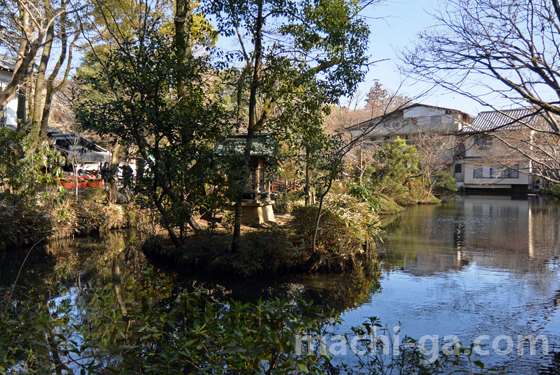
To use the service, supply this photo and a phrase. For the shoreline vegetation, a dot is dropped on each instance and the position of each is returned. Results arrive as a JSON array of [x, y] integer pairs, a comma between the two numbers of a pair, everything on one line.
[[348, 233], [131, 309], [348, 228]]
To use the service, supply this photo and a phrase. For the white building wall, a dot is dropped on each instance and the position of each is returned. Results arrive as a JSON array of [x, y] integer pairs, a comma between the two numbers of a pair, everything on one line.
[[11, 112], [482, 158], [496, 182], [423, 112], [11, 108]]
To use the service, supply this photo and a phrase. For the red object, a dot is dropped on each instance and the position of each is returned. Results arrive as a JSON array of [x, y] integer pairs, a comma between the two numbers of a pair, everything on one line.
[[95, 183], [83, 182]]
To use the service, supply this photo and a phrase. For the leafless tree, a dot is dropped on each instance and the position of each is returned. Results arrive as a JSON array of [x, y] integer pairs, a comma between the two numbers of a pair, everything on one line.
[[436, 152], [380, 100], [498, 52], [31, 27]]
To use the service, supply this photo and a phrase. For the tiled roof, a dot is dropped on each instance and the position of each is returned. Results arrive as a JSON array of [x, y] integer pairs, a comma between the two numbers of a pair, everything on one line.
[[506, 119]]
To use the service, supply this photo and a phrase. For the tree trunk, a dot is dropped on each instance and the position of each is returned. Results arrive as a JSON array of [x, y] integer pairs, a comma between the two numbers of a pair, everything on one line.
[[183, 38], [250, 127], [172, 236], [22, 50], [51, 88], [36, 133], [317, 221], [10, 90], [24, 43], [117, 283], [361, 162], [307, 188], [21, 105]]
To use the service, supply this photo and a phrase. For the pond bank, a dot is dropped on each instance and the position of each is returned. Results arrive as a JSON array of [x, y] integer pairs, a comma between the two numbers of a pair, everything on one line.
[[26, 221]]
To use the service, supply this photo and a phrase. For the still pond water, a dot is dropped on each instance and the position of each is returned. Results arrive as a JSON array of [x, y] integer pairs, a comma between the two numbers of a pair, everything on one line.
[[482, 265], [475, 266]]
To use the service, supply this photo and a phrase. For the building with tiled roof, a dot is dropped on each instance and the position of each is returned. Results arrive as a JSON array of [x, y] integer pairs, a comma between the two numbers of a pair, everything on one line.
[[430, 128], [494, 149], [509, 119], [413, 119]]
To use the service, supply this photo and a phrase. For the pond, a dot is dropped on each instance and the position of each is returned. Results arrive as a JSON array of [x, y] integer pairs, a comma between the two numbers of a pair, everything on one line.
[[479, 267]]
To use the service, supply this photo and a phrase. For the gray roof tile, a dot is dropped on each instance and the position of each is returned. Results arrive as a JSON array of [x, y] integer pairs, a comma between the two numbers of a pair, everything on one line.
[[507, 119]]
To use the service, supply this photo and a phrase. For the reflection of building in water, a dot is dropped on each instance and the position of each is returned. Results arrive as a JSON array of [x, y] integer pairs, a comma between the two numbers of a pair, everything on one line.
[[493, 232], [459, 236]]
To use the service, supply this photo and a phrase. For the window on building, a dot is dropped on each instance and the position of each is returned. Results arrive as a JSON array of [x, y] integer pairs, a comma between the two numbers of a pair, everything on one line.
[[460, 152], [458, 168], [496, 172], [510, 172], [482, 172], [483, 141]]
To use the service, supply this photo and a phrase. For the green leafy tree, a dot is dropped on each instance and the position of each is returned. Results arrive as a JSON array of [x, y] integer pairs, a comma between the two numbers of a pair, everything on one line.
[[297, 56], [174, 135], [396, 163]]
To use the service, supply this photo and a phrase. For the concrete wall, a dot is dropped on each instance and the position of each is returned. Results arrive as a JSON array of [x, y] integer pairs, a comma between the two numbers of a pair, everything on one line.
[[416, 120]]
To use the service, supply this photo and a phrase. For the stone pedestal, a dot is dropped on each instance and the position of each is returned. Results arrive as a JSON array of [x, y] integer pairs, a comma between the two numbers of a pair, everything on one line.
[[257, 212]]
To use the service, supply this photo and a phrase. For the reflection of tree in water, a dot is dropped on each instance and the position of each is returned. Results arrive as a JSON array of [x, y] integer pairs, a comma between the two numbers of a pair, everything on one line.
[[418, 234], [52, 271], [113, 278], [334, 291], [52, 268], [348, 291], [35, 274], [403, 244]]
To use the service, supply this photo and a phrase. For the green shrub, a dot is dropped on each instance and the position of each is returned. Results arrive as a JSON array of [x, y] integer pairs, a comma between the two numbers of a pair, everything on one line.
[[82, 217], [267, 249], [23, 223], [388, 206], [364, 194], [285, 204], [346, 224], [553, 190], [444, 184]]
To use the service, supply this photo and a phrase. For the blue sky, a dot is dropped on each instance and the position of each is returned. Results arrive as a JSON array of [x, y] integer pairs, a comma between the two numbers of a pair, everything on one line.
[[394, 26]]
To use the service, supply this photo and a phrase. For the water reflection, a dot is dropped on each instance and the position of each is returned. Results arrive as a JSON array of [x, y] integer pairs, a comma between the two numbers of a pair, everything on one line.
[[340, 292], [476, 266], [58, 264], [111, 268], [495, 232]]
